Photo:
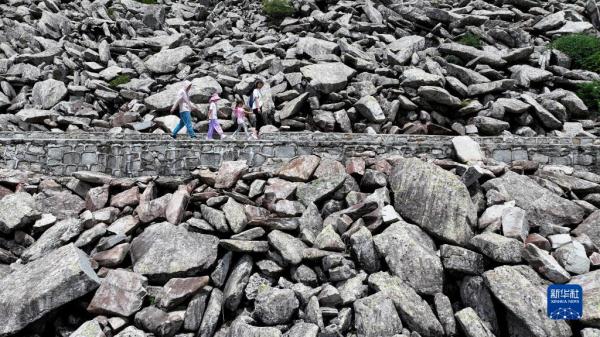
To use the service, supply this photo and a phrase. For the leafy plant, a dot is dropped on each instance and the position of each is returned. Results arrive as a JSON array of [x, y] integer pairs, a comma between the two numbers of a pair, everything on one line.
[[592, 62], [579, 47], [278, 8], [590, 94], [117, 81], [470, 39]]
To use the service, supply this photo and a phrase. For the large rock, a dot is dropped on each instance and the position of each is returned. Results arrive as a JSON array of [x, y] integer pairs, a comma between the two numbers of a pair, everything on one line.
[[62, 204], [164, 251], [467, 150], [542, 206], [405, 46], [121, 293], [89, 329], [236, 283], [59, 234], [413, 310], [300, 168], [292, 107], [35, 115], [241, 329], [545, 264], [290, 247], [48, 93], [167, 60], [315, 47], [471, 324], [275, 306], [590, 227], [202, 89], [42, 286], [519, 289], [328, 77], [408, 258], [17, 210], [319, 189], [376, 316], [370, 109], [434, 199], [590, 283], [438, 95], [498, 248], [229, 172]]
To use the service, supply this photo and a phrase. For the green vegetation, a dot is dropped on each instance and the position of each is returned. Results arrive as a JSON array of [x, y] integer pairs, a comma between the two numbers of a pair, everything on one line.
[[117, 81], [147, 2], [454, 60], [583, 50], [111, 13], [470, 39], [590, 95], [278, 8]]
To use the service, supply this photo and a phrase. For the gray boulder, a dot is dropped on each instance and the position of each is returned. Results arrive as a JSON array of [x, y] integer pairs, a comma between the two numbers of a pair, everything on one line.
[[509, 284], [542, 206], [40, 287], [56, 236], [434, 199], [471, 324], [17, 210], [370, 109], [121, 293], [408, 258], [164, 251], [46, 94], [167, 60], [275, 306], [498, 248], [413, 310], [376, 316], [328, 77]]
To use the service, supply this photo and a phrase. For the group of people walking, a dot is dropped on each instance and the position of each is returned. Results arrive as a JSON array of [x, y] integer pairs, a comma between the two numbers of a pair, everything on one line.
[[240, 114]]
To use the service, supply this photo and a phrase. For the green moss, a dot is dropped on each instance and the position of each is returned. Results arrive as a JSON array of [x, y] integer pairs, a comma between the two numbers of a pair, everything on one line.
[[465, 102], [278, 8], [590, 95], [470, 39], [579, 47], [454, 60], [111, 13], [117, 81]]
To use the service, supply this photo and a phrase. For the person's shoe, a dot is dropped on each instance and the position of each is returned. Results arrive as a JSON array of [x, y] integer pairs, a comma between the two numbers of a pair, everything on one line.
[[173, 136], [193, 137]]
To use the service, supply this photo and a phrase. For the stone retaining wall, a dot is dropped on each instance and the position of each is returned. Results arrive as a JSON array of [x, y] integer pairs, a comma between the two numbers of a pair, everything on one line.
[[128, 155]]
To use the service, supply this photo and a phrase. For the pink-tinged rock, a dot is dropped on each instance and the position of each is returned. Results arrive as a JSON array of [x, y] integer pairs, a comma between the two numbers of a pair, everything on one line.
[[595, 259], [153, 209], [97, 178], [206, 176], [279, 188], [383, 166], [5, 191], [112, 257], [177, 290], [125, 225], [515, 224], [288, 208], [177, 205], [538, 240], [130, 197], [300, 168], [150, 192], [121, 293], [329, 167], [254, 213], [355, 166], [229, 173], [96, 198]]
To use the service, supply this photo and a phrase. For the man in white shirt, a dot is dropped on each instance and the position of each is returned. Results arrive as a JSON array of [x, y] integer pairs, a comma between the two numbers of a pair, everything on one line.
[[185, 108]]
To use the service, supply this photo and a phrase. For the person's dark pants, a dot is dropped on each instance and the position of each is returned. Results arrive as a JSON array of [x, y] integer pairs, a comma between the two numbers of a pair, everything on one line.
[[185, 119], [257, 119]]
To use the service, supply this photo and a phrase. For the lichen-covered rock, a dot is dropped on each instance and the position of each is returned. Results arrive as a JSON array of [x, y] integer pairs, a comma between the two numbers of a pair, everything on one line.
[[275, 306], [39, 287], [164, 250], [434, 199], [121, 293]]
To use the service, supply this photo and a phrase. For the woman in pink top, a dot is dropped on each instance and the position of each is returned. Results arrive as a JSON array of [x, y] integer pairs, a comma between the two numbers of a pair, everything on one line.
[[240, 116]]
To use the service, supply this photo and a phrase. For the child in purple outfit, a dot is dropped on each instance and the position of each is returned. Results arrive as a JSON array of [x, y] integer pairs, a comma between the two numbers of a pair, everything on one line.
[[213, 121]]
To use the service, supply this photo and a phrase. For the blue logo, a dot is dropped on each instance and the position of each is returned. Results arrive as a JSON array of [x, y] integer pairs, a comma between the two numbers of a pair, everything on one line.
[[565, 301]]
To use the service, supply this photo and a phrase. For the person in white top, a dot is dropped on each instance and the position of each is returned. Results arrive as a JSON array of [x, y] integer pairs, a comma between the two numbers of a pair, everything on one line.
[[185, 108], [256, 105], [213, 121]]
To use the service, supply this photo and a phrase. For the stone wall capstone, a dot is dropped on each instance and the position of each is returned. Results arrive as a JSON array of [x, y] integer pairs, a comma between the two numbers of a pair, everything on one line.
[[130, 155]]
